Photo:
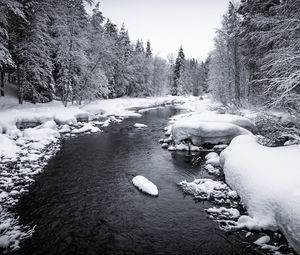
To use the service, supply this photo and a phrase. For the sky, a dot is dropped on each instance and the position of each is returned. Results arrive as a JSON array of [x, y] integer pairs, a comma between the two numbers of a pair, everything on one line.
[[168, 24]]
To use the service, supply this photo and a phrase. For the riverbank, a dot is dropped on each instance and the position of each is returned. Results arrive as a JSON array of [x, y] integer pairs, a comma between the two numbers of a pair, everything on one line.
[[265, 179], [31, 134]]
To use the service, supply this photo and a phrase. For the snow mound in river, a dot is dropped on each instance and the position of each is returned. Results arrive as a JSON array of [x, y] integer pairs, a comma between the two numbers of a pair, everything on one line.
[[200, 132], [145, 185], [140, 125], [268, 182], [224, 118]]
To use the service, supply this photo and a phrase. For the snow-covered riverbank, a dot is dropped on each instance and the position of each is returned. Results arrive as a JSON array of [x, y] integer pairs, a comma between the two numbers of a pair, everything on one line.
[[266, 179], [30, 135]]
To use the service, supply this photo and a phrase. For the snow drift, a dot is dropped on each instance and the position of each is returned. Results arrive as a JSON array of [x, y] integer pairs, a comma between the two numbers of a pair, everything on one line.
[[268, 182]]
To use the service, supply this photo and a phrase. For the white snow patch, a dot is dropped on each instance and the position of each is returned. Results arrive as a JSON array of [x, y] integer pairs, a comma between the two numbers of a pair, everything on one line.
[[268, 182], [145, 185], [213, 161], [223, 212], [88, 127], [206, 189], [140, 125], [8, 147], [262, 240], [183, 147]]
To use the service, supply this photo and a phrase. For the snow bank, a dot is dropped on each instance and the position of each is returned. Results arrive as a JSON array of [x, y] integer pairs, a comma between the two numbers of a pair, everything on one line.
[[268, 182], [145, 185], [224, 118], [205, 132], [40, 113]]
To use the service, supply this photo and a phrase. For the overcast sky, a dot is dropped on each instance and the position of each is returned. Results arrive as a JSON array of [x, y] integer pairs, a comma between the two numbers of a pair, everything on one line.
[[169, 23]]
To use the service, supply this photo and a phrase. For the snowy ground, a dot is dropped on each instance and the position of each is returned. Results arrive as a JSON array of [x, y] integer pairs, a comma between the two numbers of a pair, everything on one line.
[[30, 135], [266, 179]]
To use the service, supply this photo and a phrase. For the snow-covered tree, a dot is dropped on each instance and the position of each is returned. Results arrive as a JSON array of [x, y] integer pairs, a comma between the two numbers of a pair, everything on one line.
[[178, 70], [7, 65]]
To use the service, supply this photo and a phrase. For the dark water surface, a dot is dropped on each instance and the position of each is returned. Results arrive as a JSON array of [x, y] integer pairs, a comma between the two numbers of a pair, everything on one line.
[[84, 202]]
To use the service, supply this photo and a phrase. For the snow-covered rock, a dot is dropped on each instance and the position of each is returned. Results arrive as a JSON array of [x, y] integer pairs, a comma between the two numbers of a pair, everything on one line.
[[223, 212], [262, 240], [205, 132], [219, 147], [211, 155], [145, 185], [88, 127], [140, 125], [183, 147], [268, 183], [214, 161], [65, 129], [212, 170], [8, 147], [49, 124], [208, 189], [41, 134]]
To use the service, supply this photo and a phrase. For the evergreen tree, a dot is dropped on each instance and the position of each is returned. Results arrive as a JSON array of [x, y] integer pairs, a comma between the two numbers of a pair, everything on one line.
[[7, 65], [148, 50], [178, 70]]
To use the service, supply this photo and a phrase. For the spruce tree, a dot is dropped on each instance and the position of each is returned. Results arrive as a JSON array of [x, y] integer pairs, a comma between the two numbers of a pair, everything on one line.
[[178, 71], [148, 50]]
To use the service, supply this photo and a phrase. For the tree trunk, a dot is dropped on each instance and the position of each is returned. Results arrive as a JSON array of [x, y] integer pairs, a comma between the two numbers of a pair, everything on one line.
[[2, 83], [236, 72], [20, 89]]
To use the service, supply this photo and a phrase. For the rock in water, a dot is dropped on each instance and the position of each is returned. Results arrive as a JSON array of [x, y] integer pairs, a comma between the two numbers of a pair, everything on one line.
[[144, 185]]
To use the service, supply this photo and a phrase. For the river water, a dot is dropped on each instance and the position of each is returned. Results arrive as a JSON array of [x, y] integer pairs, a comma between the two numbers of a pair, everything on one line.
[[84, 201]]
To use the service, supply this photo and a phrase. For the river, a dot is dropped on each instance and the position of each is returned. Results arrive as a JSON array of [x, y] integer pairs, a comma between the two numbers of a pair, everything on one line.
[[84, 201]]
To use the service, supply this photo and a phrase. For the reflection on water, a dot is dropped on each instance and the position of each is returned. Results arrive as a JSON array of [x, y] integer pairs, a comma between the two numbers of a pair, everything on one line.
[[84, 203]]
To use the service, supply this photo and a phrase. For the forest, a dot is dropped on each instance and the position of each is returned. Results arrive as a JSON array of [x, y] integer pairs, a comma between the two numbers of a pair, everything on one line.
[[53, 49], [256, 58]]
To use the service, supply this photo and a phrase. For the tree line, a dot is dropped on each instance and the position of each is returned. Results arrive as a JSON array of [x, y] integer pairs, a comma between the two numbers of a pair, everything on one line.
[[52, 49], [256, 57]]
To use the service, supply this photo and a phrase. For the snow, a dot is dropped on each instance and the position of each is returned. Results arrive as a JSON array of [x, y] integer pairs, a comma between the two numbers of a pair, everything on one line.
[[262, 240], [211, 155], [205, 132], [212, 170], [65, 129], [87, 127], [183, 147], [267, 181], [213, 161], [140, 125], [223, 118], [222, 212], [206, 189], [8, 147], [146, 186]]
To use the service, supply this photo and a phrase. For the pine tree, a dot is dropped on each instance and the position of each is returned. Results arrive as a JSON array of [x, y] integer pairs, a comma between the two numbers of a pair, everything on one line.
[[7, 65], [148, 50], [71, 61], [178, 70]]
